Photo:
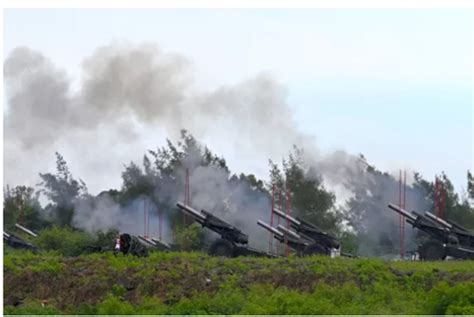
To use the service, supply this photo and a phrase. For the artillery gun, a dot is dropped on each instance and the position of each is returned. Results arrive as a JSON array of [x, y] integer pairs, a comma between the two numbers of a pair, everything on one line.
[[316, 241], [16, 242], [447, 238], [294, 240], [232, 242], [156, 243], [131, 245]]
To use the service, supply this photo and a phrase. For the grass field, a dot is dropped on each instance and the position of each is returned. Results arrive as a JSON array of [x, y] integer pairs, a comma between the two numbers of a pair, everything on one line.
[[194, 283]]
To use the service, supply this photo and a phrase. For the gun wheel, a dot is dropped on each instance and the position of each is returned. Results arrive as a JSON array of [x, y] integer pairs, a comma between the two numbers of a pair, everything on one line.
[[222, 247], [432, 251], [314, 249], [141, 252]]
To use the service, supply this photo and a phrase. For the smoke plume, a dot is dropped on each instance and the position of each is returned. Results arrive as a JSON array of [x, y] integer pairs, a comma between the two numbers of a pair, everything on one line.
[[132, 96]]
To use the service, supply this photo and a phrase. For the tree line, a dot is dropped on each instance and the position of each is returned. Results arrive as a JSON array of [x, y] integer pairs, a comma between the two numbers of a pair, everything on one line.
[[164, 168]]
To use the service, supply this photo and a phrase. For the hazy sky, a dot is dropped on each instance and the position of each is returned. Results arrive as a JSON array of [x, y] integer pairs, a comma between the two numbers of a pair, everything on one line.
[[395, 85]]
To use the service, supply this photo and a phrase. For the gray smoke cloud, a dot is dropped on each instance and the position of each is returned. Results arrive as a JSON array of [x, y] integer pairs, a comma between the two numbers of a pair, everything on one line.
[[348, 175], [103, 213], [235, 201], [129, 93], [126, 94]]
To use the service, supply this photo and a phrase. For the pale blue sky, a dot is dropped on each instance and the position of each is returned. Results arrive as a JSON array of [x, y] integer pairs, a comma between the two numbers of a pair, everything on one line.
[[395, 85]]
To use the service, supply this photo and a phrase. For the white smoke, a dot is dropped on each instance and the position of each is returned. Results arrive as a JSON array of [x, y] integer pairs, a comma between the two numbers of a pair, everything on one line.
[[131, 96], [127, 94]]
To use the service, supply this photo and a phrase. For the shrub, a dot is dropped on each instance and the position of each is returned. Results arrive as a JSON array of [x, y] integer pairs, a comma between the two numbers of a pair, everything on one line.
[[151, 306], [8, 265], [112, 305], [50, 265], [33, 308], [190, 238], [348, 242], [177, 283], [118, 290], [229, 300], [456, 300], [121, 262], [64, 240], [105, 239]]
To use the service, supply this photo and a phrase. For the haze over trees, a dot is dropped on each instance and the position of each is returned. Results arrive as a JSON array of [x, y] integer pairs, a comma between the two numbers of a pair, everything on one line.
[[362, 223]]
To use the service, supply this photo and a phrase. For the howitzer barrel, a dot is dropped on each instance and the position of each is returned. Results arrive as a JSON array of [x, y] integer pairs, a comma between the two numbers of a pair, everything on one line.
[[270, 228], [31, 233], [215, 219], [402, 212], [458, 226], [154, 242], [193, 212], [438, 220], [420, 216], [159, 242], [280, 213], [288, 231], [146, 240]]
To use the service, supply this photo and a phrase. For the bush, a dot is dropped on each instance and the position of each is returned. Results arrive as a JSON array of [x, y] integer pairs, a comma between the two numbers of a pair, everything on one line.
[[194, 283], [190, 238], [64, 240], [50, 265], [112, 305], [151, 306], [33, 308], [456, 300], [348, 242], [105, 239]]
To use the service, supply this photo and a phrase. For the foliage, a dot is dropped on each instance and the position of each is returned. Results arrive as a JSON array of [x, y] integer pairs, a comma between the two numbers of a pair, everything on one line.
[[470, 185], [135, 182], [64, 240], [62, 190], [112, 305], [105, 240], [446, 300], [309, 198], [190, 238], [348, 242], [193, 283], [252, 180], [365, 211], [34, 308], [22, 199], [455, 209], [161, 177]]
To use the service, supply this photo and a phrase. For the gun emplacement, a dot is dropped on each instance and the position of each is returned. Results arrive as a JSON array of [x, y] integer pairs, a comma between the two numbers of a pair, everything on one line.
[[233, 242], [446, 238], [311, 232]]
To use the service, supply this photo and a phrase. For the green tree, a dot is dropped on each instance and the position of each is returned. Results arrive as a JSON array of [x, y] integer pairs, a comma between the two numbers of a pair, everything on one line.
[[105, 239], [366, 212], [308, 197], [255, 183], [470, 185], [190, 238], [161, 178], [65, 240], [22, 199], [138, 182], [62, 190], [454, 208]]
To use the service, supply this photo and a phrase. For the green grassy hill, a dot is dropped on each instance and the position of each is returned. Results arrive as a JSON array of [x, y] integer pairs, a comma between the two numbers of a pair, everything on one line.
[[193, 283]]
